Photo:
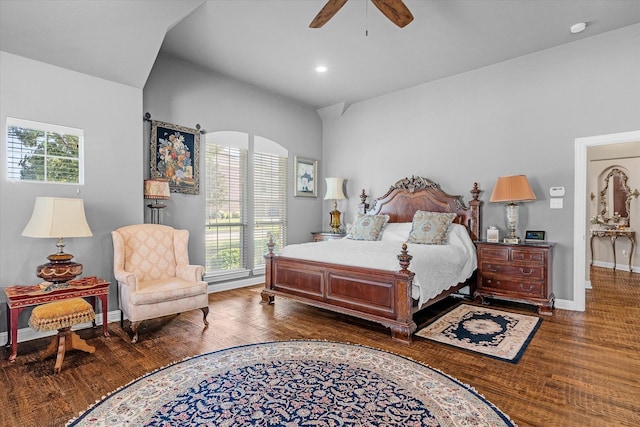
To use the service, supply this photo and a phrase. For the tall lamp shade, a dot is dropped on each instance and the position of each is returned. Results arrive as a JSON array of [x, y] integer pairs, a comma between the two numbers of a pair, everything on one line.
[[57, 217], [156, 189], [512, 189], [335, 193]]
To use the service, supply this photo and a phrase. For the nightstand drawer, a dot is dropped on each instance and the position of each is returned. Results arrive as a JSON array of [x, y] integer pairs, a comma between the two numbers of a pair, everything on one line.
[[515, 272], [515, 286], [497, 253], [519, 272], [528, 255]]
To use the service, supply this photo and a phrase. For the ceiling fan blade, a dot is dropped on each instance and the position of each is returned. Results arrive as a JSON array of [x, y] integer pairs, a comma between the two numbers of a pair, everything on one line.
[[395, 10], [331, 8]]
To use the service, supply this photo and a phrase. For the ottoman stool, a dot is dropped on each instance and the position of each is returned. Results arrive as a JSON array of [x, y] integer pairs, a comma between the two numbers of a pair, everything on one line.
[[61, 315]]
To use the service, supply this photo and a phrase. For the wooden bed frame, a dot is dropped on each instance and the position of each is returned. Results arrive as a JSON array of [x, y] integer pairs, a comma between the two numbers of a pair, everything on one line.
[[375, 295]]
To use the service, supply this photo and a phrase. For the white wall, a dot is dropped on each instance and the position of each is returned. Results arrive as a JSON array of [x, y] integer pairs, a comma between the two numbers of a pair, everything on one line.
[[181, 93], [111, 116], [517, 117]]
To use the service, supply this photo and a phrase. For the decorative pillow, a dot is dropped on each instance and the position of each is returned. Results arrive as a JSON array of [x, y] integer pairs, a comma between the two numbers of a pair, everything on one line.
[[367, 227], [396, 232], [430, 228]]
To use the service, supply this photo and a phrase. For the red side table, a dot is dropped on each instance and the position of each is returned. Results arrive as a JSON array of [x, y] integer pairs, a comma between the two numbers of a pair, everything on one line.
[[21, 297]]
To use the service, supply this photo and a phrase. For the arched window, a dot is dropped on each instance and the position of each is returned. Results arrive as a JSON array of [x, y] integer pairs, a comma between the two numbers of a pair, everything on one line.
[[246, 201]]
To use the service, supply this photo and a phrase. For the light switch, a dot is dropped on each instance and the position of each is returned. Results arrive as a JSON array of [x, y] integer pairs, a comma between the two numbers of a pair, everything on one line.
[[555, 203]]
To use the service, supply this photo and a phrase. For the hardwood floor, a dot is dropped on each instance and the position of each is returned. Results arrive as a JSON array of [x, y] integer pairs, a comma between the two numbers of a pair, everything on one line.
[[581, 369]]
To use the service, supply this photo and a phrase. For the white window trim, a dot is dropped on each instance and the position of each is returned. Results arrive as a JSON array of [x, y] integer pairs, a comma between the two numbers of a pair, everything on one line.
[[47, 127]]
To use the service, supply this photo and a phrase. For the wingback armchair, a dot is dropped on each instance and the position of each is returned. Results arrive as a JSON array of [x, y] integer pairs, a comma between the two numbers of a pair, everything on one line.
[[155, 279]]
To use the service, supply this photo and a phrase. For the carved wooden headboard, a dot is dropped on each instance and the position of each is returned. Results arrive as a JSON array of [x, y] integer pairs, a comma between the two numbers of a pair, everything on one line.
[[409, 195]]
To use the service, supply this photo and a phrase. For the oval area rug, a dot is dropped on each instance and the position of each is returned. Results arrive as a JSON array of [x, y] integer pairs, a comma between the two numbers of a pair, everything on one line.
[[295, 383]]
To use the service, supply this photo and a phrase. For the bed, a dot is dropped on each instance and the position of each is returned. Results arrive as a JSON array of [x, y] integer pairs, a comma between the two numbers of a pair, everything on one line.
[[385, 295]]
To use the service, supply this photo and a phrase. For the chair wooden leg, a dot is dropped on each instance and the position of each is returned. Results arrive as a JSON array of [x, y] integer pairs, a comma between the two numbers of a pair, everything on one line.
[[134, 329], [205, 312]]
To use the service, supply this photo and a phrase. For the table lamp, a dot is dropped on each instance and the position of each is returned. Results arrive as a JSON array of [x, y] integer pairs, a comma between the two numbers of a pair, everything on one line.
[[57, 217], [157, 190], [512, 189], [334, 192]]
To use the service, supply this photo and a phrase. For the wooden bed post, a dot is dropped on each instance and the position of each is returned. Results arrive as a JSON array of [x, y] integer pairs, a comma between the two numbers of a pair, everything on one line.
[[474, 222], [404, 326], [267, 296]]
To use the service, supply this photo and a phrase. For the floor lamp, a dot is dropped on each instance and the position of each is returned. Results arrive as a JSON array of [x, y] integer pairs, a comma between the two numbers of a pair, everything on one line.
[[156, 190]]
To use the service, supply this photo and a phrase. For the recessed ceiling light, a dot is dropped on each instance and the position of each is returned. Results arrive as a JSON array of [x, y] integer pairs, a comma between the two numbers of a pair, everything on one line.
[[578, 28], [321, 69]]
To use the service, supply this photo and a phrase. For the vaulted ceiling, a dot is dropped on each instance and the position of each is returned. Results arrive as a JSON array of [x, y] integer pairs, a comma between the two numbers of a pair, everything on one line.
[[268, 44]]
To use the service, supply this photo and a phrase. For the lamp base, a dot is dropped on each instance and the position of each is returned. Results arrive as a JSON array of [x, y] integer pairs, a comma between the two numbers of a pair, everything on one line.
[[511, 240], [335, 221], [155, 211], [60, 270]]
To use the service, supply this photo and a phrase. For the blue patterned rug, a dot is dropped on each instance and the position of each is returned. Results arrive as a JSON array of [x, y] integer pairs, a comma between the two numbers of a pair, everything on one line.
[[295, 383], [495, 333]]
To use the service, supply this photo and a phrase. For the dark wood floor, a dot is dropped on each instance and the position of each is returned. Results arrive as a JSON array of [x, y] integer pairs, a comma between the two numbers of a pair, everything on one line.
[[581, 369]]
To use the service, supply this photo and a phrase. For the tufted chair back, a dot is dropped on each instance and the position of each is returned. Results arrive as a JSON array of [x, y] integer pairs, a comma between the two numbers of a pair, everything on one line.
[[152, 251]]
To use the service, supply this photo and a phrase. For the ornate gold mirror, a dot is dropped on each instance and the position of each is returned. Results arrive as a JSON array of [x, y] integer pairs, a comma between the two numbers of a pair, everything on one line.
[[615, 199]]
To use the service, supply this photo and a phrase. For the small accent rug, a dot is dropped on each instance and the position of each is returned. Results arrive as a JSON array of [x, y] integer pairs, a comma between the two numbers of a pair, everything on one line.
[[495, 333], [295, 383]]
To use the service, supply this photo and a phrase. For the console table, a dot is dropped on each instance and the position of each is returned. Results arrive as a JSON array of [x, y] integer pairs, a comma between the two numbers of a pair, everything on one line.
[[613, 235], [21, 297]]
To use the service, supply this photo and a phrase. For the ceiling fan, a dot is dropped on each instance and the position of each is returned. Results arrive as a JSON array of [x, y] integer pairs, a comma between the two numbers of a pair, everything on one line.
[[395, 10]]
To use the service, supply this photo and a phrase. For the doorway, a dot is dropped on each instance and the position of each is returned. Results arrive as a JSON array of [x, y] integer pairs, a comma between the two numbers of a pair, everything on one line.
[[580, 208]]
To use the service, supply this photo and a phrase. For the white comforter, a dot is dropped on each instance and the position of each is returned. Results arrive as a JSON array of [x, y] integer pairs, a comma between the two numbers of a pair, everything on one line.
[[436, 267]]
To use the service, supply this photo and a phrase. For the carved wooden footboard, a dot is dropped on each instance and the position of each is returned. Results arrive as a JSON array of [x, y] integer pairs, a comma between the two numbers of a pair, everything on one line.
[[376, 295]]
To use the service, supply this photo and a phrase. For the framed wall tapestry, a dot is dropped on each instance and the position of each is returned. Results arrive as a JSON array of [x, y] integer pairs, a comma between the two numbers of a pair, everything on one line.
[[174, 156], [306, 172]]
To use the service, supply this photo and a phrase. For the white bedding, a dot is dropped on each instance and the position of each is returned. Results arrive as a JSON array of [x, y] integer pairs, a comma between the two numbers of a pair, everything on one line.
[[436, 267]]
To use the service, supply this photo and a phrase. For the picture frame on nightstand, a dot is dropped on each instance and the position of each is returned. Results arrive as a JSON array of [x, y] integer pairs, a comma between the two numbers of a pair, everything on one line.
[[535, 236]]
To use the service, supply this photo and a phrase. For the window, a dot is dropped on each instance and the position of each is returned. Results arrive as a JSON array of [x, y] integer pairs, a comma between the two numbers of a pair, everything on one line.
[[270, 197], [246, 201], [40, 152]]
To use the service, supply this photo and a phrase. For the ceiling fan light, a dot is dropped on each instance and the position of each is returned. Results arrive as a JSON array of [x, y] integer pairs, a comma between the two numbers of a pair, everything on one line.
[[321, 69]]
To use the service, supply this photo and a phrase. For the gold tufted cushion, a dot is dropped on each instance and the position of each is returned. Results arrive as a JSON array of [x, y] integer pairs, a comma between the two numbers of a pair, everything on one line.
[[61, 314]]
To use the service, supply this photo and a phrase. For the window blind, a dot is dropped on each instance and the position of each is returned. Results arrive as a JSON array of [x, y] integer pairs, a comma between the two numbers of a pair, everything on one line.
[[226, 204], [41, 152], [270, 203]]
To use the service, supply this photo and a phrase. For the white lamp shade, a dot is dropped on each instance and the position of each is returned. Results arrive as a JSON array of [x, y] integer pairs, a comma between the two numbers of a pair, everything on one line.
[[156, 189], [57, 217], [334, 189]]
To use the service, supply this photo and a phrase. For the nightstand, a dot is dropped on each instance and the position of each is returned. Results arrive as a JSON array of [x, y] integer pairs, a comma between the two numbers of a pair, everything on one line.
[[516, 272], [321, 236]]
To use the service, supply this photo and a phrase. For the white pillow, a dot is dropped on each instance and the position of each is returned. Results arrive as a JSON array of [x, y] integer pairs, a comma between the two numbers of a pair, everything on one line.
[[396, 232]]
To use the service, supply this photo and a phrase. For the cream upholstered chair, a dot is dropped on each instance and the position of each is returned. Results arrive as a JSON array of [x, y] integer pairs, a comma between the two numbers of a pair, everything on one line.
[[151, 265]]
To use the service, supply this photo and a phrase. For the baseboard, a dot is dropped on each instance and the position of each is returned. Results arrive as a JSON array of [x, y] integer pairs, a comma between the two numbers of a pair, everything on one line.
[[28, 334], [620, 266], [565, 304]]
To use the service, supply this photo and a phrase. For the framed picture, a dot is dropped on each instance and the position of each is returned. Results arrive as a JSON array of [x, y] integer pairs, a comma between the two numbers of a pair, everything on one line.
[[534, 236], [493, 235], [174, 156], [306, 177]]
